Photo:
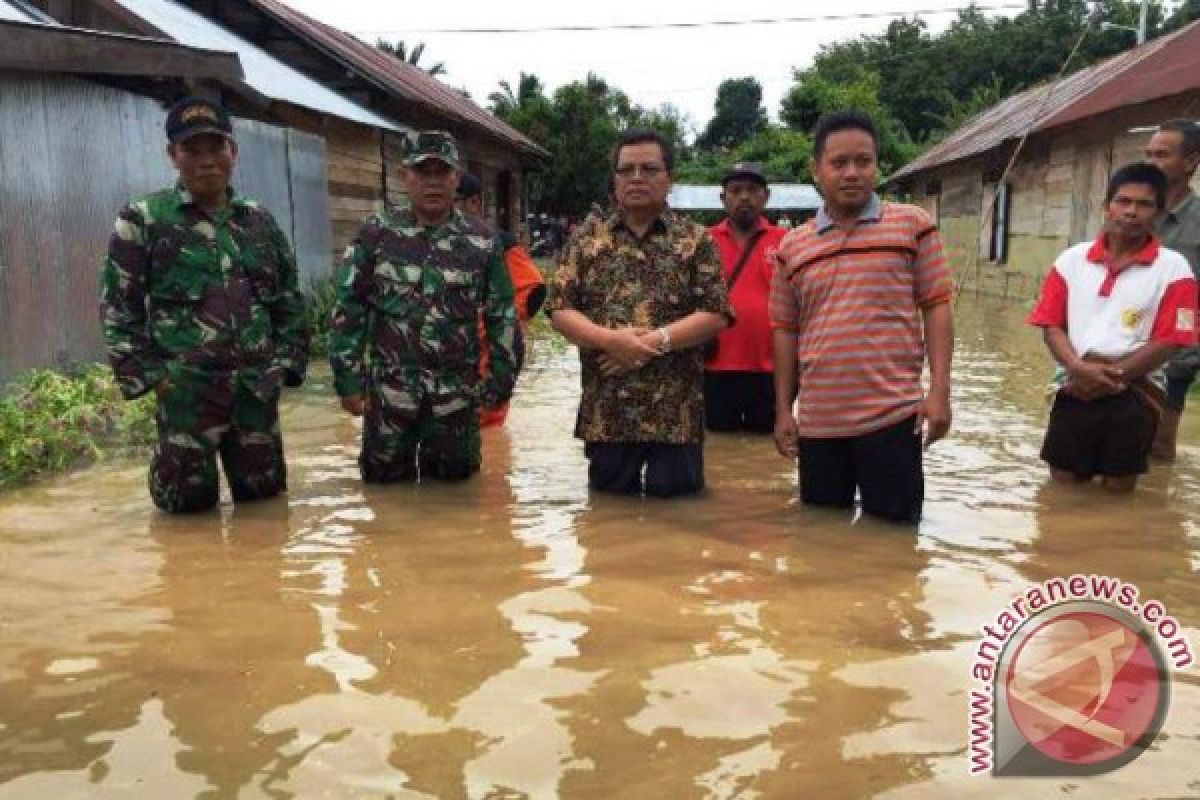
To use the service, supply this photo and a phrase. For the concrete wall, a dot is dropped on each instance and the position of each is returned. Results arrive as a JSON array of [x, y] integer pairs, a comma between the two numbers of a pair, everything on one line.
[[1056, 196]]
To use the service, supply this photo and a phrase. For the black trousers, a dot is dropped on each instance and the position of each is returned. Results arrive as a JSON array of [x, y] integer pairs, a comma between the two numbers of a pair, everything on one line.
[[883, 466], [670, 469], [739, 401]]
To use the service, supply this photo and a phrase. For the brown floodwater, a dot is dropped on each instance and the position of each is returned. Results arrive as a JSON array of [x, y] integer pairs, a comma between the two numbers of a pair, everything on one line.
[[518, 637]]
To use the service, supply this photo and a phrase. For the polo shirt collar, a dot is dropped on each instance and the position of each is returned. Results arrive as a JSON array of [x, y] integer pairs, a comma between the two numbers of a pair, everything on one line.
[[1098, 254], [725, 226], [871, 212]]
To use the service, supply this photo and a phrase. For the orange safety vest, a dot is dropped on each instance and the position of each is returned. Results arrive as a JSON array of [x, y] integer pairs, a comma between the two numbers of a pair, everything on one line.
[[526, 280]]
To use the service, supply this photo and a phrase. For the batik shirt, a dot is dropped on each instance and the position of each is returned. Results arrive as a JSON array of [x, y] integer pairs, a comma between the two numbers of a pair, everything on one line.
[[617, 280]]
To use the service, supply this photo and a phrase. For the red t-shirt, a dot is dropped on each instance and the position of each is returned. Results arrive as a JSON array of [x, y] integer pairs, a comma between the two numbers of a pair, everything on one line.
[[746, 347]]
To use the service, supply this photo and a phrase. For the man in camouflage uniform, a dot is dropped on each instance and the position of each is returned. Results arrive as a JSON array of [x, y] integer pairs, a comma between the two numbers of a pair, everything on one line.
[[638, 292], [200, 305], [404, 342]]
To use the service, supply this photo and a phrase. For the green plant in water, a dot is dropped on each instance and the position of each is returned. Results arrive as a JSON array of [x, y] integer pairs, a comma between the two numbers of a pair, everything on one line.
[[51, 421], [322, 296]]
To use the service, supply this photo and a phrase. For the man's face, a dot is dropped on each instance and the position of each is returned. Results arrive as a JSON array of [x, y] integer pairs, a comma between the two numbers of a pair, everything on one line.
[[1165, 151], [641, 179], [472, 205], [847, 169], [431, 185], [205, 163], [1130, 214], [744, 201]]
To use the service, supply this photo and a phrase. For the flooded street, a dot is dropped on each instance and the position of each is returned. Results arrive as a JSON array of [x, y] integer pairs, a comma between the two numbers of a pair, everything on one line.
[[517, 637]]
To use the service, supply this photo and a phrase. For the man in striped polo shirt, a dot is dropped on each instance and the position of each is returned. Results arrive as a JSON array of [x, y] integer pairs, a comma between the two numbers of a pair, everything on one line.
[[861, 294]]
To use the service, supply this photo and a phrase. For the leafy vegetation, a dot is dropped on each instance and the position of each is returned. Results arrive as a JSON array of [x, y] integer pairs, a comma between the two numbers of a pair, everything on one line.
[[51, 421]]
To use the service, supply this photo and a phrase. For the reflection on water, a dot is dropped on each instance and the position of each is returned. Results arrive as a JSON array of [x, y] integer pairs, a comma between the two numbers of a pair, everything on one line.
[[517, 637]]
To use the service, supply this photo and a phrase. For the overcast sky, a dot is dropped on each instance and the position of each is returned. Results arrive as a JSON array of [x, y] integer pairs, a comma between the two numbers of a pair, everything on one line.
[[679, 66]]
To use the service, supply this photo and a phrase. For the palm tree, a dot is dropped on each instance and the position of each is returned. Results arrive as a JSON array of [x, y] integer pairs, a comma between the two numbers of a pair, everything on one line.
[[413, 57], [506, 101]]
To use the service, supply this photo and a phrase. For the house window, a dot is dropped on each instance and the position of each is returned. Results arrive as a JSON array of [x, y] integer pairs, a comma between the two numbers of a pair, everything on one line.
[[998, 247]]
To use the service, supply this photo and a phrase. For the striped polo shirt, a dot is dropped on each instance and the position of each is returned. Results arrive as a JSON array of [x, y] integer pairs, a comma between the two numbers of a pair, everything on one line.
[[853, 295]]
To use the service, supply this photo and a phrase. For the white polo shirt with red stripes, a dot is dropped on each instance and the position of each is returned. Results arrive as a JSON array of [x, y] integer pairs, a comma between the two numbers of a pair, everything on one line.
[[1113, 312]]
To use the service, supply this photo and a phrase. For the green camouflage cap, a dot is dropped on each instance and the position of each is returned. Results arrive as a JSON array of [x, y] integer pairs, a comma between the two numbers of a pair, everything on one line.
[[423, 145]]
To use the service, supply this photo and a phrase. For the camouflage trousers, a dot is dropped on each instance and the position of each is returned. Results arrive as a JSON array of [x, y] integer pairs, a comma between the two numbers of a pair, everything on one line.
[[399, 447], [205, 413]]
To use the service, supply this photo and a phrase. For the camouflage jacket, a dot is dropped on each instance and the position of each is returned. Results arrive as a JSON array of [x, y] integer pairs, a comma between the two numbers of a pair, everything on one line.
[[618, 280], [210, 290], [409, 298]]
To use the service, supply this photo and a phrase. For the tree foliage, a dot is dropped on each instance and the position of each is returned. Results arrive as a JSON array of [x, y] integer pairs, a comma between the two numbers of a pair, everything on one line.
[[916, 86], [401, 51], [579, 124], [739, 114]]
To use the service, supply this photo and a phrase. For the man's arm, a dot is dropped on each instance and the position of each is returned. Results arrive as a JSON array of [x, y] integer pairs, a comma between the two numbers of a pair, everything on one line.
[[124, 278], [784, 343], [1146, 359], [289, 317], [1086, 380], [505, 348], [350, 318], [564, 305], [935, 415]]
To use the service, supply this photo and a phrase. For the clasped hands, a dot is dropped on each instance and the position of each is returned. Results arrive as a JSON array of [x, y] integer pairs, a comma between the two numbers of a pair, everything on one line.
[[626, 350], [1088, 380]]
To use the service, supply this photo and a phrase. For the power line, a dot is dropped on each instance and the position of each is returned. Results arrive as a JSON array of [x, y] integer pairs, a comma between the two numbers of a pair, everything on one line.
[[721, 23]]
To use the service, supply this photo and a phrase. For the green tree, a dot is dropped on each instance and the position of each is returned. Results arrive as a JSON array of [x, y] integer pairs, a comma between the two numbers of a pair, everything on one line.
[[814, 95], [739, 114], [399, 50]]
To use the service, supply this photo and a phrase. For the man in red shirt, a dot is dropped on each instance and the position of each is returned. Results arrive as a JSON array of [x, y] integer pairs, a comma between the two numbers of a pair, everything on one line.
[[739, 390]]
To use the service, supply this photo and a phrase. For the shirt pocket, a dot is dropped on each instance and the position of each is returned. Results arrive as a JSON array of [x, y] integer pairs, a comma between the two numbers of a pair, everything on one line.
[[396, 289], [461, 298], [183, 269]]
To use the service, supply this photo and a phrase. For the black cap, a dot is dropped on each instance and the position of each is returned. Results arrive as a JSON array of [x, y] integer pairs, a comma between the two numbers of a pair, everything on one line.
[[469, 185], [744, 170], [195, 115]]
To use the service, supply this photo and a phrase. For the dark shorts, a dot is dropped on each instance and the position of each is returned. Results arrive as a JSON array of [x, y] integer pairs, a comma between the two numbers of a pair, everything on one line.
[[1110, 436], [883, 467], [739, 401], [669, 469], [1177, 390]]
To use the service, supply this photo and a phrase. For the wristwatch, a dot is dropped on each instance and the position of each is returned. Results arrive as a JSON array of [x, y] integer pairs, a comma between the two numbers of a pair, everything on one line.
[[666, 339]]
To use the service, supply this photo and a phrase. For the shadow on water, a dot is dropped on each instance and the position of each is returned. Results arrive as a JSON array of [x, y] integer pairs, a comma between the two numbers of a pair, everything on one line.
[[520, 637]]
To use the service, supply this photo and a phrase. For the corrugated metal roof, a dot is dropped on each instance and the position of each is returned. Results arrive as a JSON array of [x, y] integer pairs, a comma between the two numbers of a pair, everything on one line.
[[409, 82], [784, 197], [265, 74], [16, 11], [1163, 67]]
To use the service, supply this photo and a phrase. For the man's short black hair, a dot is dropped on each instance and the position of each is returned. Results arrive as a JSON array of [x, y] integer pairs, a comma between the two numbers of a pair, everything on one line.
[[1140, 173], [836, 121], [644, 136], [1189, 130]]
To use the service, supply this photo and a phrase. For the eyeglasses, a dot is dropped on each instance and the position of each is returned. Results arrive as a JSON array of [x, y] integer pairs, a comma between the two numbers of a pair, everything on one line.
[[648, 170]]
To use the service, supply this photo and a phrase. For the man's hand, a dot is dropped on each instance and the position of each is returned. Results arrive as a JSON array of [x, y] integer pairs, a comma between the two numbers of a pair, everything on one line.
[[933, 416], [1088, 380], [786, 435], [354, 404], [629, 349]]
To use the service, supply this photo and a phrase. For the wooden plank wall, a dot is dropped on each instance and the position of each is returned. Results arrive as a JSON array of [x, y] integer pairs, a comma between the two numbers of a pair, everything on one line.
[[356, 176]]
